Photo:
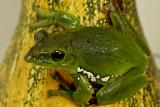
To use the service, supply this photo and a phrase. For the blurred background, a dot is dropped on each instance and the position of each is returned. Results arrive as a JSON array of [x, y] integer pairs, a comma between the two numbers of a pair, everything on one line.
[[148, 13]]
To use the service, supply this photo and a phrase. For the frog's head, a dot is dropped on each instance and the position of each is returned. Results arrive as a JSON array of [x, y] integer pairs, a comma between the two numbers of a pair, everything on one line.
[[52, 51]]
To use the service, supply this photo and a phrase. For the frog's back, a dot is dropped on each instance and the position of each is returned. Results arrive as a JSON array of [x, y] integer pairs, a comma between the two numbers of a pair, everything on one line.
[[104, 42], [102, 50]]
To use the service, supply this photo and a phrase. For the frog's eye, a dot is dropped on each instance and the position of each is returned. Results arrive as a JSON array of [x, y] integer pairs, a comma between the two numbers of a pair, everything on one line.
[[57, 56], [40, 35]]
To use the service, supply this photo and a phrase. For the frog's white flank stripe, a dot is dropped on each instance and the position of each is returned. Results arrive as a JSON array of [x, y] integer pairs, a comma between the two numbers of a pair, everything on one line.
[[90, 86], [92, 77], [98, 77], [78, 78], [79, 69], [89, 74], [105, 79]]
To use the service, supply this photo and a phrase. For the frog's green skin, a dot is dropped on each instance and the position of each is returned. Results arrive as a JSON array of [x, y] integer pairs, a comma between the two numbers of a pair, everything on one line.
[[93, 54]]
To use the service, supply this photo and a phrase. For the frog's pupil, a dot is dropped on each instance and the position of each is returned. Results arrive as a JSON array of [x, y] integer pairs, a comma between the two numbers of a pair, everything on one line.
[[57, 56]]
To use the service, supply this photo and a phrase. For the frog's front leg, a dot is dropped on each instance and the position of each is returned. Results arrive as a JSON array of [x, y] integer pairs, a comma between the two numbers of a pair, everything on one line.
[[84, 89], [123, 87], [63, 93], [82, 93], [65, 90], [64, 19]]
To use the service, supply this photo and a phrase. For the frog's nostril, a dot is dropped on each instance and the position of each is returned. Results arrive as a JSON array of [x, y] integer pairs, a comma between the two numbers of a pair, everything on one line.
[[27, 58]]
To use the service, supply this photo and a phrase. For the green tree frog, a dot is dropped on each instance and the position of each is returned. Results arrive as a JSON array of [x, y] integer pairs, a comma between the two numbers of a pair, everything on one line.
[[108, 57]]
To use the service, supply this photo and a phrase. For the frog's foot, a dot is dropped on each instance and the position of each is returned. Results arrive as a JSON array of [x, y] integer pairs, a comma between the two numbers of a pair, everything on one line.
[[64, 19], [41, 23], [46, 18], [122, 88], [59, 93]]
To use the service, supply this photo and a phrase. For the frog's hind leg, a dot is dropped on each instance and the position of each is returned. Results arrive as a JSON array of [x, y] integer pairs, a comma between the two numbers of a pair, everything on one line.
[[121, 24], [46, 18], [123, 87], [118, 4]]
